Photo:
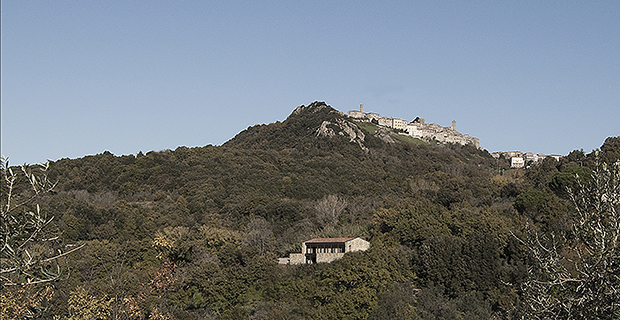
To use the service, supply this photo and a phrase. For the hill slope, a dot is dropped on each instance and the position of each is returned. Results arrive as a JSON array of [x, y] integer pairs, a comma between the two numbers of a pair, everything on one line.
[[195, 232]]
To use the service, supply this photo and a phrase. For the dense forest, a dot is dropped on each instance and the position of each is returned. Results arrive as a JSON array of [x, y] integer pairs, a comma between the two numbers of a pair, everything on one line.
[[195, 233]]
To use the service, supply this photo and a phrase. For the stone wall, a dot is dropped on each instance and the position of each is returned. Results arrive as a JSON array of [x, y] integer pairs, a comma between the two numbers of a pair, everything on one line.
[[356, 244], [328, 257], [297, 258]]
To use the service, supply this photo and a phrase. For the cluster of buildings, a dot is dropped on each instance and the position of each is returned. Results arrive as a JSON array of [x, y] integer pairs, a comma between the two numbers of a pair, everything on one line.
[[417, 128], [325, 250], [520, 159]]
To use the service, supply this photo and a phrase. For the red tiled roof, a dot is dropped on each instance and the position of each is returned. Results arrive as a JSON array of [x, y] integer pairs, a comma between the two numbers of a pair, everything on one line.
[[328, 240]]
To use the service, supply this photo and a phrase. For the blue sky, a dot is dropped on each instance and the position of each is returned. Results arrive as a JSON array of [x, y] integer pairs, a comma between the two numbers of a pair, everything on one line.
[[83, 77]]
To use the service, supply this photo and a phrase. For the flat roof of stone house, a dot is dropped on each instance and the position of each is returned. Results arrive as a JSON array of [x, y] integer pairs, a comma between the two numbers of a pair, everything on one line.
[[328, 240]]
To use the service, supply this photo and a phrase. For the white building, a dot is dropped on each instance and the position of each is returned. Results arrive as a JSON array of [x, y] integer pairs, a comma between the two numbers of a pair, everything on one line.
[[517, 162]]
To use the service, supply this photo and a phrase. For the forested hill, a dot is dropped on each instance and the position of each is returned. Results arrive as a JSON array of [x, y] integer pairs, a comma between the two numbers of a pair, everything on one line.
[[195, 233], [299, 130], [284, 161], [281, 160]]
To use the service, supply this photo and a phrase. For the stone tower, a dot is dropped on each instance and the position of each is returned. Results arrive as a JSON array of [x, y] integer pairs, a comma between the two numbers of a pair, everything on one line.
[[361, 108], [454, 125]]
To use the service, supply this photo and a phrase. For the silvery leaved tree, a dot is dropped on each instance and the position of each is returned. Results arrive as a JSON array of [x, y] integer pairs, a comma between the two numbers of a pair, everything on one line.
[[29, 254], [576, 274]]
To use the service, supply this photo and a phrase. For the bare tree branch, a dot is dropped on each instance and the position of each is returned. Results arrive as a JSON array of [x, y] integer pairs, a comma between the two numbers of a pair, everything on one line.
[[577, 275], [23, 227]]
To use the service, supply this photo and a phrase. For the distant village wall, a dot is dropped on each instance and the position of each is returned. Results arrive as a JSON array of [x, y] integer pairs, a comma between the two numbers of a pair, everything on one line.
[[519, 159]]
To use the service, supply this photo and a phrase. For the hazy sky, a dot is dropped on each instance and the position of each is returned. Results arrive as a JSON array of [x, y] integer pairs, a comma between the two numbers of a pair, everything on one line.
[[82, 77]]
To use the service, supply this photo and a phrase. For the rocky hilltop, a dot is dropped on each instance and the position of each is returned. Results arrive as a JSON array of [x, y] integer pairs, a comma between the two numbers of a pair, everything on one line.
[[321, 120]]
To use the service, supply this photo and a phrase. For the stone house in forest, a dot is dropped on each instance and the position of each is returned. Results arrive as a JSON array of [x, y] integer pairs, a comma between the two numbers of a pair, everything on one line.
[[325, 250]]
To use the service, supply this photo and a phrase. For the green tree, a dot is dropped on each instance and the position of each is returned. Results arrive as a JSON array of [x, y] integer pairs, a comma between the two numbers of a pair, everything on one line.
[[84, 306], [411, 221], [396, 303], [566, 179], [610, 150], [543, 207]]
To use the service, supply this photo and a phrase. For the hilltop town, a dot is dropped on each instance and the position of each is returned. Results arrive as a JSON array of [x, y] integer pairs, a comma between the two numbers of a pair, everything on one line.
[[417, 128], [433, 132]]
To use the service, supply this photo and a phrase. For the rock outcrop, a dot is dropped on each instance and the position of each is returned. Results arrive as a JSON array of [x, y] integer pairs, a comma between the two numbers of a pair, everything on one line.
[[385, 135], [344, 128]]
